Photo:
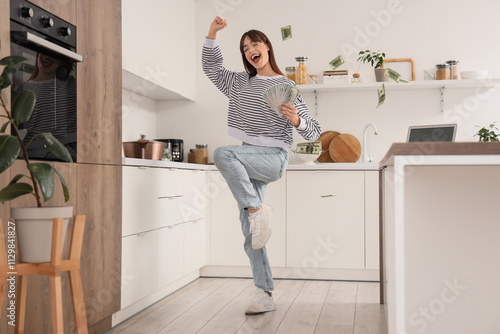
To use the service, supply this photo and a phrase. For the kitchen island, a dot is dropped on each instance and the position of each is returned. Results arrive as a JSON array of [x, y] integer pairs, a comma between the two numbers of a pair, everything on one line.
[[440, 229]]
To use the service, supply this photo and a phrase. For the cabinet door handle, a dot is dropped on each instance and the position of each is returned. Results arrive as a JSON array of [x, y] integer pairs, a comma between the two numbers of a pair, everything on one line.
[[141, 234], [142, 167], [325, 196]]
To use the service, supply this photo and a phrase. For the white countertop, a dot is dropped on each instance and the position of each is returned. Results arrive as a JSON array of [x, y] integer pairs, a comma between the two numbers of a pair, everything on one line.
[[315, 166]]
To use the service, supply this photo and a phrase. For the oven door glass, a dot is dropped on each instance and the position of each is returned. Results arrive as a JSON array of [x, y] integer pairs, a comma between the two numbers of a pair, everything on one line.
[[53, 80]]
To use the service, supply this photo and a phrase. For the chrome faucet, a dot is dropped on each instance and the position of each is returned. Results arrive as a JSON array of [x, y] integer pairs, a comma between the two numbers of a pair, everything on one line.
[[364, 154]]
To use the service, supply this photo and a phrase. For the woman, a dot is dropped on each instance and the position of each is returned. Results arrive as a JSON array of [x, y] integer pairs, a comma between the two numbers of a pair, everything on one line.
[[266, 137]]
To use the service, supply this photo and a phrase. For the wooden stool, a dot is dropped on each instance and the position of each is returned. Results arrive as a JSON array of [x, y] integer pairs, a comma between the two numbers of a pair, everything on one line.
[[52, 269]]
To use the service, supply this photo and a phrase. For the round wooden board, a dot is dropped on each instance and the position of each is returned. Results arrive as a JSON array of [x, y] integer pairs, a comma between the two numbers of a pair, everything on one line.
[[345, 148], [325, 138]]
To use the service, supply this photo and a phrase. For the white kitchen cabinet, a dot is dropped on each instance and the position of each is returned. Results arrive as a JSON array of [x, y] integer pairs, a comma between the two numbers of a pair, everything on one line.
[[170, 249], [164, 233], [139, 267], [325, 219], [372, 219], [194, 245], [226, 244], [162, 52], [196, 196], [151, 198], [139, 209]]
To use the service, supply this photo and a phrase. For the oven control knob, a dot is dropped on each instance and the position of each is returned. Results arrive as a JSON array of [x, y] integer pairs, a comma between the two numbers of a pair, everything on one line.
[[47, 22], [27, 12], [65, 31]]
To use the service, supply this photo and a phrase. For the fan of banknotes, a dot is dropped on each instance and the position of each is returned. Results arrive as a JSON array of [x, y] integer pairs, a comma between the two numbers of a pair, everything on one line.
[[277, 94]]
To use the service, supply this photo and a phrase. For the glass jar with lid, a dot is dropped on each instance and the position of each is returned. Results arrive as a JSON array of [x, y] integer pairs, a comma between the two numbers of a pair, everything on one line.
[[301, 70], [453, 69], [201, 154], [291, 73], [442, 72]]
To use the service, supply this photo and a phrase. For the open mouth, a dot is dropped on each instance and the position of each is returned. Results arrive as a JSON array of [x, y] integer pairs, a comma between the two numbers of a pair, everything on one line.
[[46, 62], [256, 58]]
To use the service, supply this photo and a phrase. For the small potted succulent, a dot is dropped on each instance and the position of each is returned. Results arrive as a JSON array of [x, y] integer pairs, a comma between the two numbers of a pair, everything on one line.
[[488, 134], [375, 59], [38, 179]]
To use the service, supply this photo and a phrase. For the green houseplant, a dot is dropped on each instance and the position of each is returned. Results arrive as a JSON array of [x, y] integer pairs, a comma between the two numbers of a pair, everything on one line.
[[375, 59], [39, 179], [487, 133]]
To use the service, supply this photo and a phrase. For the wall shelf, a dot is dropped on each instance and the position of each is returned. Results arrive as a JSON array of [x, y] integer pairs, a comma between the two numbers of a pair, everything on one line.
[[391, 85], [440, 85]]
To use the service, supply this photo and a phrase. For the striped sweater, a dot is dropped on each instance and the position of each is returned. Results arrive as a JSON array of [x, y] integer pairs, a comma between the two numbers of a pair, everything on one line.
[[250, 119]]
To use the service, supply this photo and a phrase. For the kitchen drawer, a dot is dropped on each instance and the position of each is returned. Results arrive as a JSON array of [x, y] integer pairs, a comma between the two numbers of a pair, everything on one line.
[[170, 260], [139, 209], [194, 245], [168, 182], [325, 214], [170, 209], [139, 267]]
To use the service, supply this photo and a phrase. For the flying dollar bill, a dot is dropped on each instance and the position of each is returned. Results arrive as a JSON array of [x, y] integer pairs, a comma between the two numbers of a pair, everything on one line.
[[313, 147], [391, 74], [339, 60], [381, 95], [286, 32]]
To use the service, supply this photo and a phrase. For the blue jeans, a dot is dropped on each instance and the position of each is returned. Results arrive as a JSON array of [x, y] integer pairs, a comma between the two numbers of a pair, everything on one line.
[[247, 170]]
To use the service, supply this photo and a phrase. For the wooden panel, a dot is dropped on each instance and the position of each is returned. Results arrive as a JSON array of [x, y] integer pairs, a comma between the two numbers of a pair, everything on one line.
[[4, 51], [66, 10], [99, 198], [101, 326], [99, 82], [38, 297]]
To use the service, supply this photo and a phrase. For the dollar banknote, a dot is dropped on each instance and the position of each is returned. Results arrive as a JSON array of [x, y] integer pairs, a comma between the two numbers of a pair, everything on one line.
[[277, 94], [286, 32], [339, 60], [391, 74], [381, 95], [313, 147]]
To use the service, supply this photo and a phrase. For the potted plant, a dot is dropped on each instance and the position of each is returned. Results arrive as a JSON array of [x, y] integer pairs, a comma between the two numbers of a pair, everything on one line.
[[487, 133], [375, 59], [39, 178]]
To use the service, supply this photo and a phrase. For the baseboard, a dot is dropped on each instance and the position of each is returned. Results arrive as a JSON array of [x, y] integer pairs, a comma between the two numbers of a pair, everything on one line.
[[363, 275]]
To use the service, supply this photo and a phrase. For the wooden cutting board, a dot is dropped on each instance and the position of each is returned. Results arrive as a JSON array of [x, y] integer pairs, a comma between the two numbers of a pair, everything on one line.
[[345, 148], [325, 138]]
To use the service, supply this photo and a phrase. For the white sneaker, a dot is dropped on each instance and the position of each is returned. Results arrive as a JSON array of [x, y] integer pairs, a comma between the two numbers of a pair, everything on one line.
[[260, 226], [261, 302]]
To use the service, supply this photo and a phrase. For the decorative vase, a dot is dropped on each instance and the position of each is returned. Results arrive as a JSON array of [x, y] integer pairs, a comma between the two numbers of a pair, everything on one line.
[[380, 75], [34, 230]]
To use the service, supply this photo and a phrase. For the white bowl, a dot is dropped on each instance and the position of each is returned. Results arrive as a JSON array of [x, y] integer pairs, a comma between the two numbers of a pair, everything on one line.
[[307, 158], [479, 74]]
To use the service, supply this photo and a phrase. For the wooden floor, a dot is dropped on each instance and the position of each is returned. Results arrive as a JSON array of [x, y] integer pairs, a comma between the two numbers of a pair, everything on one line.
[[217, 306]]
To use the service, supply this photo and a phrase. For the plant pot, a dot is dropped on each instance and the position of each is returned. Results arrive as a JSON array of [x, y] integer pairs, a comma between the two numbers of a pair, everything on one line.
[[34, 230], [380, 75]]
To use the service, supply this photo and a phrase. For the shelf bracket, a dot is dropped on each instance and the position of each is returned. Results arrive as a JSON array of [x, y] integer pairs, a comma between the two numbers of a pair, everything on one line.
[[316, 105], [441, 90]]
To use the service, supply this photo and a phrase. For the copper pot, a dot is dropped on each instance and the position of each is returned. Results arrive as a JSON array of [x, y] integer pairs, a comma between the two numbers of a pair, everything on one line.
[[143, 149]]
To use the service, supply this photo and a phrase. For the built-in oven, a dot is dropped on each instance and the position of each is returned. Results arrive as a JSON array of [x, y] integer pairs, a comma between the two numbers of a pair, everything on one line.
[[49, 44]]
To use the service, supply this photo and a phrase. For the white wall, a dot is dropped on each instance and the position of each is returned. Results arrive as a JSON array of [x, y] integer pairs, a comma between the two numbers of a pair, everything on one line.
[[139, 116], [428, 31]]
